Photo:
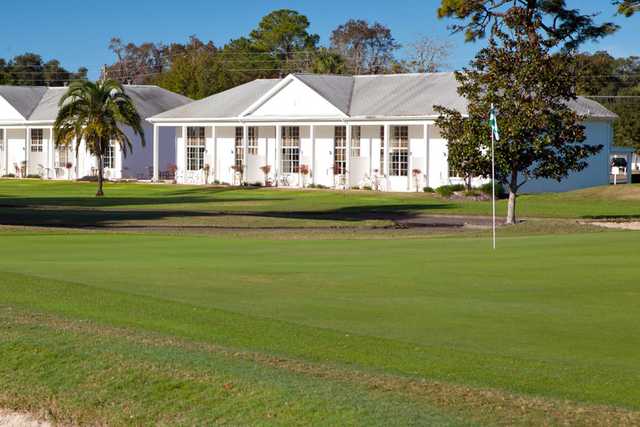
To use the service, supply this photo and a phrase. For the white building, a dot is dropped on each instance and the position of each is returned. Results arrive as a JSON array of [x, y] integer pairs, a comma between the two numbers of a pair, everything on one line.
[[27, 114], [359, 131]]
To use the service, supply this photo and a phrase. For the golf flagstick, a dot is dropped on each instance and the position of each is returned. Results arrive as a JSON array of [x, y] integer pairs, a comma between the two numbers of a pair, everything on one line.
[[495, 136]]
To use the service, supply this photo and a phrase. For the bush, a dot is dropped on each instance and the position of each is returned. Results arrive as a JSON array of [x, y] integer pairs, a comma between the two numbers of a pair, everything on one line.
[[487, 189], [9, 175], [448, 190], [428, 190], [34, 176], [367, 187], [319, 186]]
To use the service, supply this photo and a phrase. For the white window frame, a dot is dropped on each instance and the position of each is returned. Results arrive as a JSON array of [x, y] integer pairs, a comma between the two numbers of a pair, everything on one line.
[[62, 156], [290, 152], [195, 148], [36, 142], [356, 138], [399, 152], [252, 141], [239, 147], [339, 150], [109, 159]]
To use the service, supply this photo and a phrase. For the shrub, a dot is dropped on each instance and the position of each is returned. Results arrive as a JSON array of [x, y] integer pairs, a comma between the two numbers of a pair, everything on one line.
[[428, 190], [448, 190], [9, 175], [500, 192], [34, 176], [367, 187]]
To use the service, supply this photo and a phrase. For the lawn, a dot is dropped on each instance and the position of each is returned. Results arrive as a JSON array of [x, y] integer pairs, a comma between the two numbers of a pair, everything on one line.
[[34, 202], [195, 329]]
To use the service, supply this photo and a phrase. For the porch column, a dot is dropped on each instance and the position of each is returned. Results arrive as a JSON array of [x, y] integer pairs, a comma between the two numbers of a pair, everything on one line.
[[245, 151], [370, 154], [387, 138], [426, 157], [5, 142], [27, 149], [312, 134], [156, 154], [51, 155], [409, 161], [214, 134], [184, 148], [277, 156], [629, 158], [347, 184]]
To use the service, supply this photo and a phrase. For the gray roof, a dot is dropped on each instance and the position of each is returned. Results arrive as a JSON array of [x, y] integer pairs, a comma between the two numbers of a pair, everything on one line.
[[227, 104], [23, 98], [376, 96], [41, 103]]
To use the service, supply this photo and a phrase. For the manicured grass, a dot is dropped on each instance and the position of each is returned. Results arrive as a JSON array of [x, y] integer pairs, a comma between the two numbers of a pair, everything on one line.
[[547, 315], [33, 202]]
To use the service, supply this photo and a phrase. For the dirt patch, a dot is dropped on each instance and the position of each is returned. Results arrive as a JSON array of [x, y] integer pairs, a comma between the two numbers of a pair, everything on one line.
[[15, 419]]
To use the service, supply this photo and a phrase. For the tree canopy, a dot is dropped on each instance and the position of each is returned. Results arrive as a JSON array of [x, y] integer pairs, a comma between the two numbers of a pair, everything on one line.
[[540, 135], [545, 21], [30, 69]]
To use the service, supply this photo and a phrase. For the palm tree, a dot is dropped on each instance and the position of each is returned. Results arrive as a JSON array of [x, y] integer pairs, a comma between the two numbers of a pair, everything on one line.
[[94, 112]]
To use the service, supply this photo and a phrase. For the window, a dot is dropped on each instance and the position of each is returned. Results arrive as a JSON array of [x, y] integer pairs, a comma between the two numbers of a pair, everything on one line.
[[195, 148], [63, 157], [239, 148], [109, 159], [36, 140], [290, 149], [355, 141], [340, 150], [253, 141], [381, 170], [399, 152]]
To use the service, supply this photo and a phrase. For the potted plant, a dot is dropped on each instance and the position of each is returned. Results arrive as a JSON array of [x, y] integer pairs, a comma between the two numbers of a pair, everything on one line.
[[416, 178], [304, 172], [206, 168], [173, 170], [266, 169], [68, 167], [239, 172]]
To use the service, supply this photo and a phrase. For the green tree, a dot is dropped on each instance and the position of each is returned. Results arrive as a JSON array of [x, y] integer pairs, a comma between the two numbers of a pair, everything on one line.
[[616, 83], [327, 61], [627, 7], [285, 34], [544, 21], [368, 49], [467, 144], [95, 112], [541, 136]]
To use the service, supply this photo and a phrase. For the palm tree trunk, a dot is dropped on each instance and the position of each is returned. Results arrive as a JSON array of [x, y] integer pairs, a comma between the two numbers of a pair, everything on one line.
[[100, 193], [513, 195]]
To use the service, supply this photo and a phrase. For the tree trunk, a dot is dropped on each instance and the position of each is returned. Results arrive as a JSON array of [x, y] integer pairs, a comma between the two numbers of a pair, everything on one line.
[[100, 193], [513, 194]]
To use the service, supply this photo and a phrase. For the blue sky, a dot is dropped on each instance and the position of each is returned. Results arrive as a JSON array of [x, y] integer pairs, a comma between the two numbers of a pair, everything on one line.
[[78, 31]]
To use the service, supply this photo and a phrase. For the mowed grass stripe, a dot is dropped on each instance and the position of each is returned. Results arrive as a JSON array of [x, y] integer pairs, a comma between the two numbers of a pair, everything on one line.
[[193, 382], [444, 309]]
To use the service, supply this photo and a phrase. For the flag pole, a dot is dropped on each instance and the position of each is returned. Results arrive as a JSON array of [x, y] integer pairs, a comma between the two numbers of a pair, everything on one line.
[[493, 186], [493, 174]]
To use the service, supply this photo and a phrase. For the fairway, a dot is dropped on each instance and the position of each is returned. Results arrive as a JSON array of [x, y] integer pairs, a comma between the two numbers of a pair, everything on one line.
[[435, 330]]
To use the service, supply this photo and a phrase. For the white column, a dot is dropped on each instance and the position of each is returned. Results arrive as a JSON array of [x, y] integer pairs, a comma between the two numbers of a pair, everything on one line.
[[278, 149], [426, 157], [245, 151], [214, 134], [348, 158], [312, 134], [370, 154], [184, 149], [5, 138], [27, 149], [387, 139], [409, 161], [51, 156], [156, 153]]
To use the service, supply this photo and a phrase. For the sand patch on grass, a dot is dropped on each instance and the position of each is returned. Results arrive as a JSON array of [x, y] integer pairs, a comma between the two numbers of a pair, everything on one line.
[[15, 419]]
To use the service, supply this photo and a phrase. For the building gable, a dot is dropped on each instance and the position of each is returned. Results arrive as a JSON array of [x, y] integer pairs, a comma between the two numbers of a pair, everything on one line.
[[293, 98], [8, 113]]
